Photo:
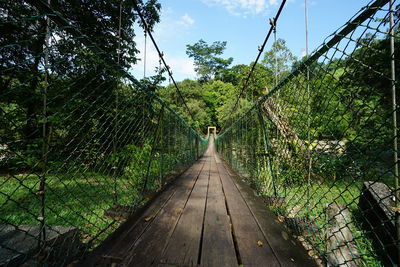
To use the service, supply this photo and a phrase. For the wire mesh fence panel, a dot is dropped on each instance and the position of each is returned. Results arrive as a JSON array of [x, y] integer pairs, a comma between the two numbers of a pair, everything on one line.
[[82, 143], [319, 147]]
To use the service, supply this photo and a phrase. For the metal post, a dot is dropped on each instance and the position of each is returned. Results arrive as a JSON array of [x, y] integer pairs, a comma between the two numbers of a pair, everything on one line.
[[45, 142], [267, 150], [175, 141], [168, 136], [153, 145], [189, 149], [119, 32], [145, 53], [276, 69], [308, 108], [197, 147], [306, 23], [394, 107], [276, 56], [161, 149], [117, 108]]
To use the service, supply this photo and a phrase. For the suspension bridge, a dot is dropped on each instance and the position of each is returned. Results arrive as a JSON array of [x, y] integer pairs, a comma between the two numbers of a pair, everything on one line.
[[97, 170], [207, 218]]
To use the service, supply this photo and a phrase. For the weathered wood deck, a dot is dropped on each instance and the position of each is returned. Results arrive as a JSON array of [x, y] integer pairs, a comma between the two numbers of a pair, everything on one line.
[[208, 217]]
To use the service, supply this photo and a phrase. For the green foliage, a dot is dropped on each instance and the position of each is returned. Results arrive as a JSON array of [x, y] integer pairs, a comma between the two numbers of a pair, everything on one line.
[[78, 77], [218, 94], [210, 102], [192, 93], [212, 98], [77, 200], [208, 64], [279, 59], [78, 135], [327, 129], [261, 80]]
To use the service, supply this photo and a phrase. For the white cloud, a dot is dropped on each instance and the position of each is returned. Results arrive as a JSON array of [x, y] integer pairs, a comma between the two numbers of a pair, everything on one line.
[[181, 66], [303, 52], [243, 7], [165, 34], [187, 20], [172, 25], [309, 3], [152, 59]]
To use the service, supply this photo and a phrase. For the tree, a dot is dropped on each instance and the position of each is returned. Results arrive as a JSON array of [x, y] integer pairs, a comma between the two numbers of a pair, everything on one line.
[[261, 79], [82, 65], [220, 97], [279, 59], [207, 63], [367, 88], [192, 92], [210, 102]]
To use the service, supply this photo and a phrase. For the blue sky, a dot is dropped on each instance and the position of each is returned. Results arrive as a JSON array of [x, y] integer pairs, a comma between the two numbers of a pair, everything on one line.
[[243, 24]]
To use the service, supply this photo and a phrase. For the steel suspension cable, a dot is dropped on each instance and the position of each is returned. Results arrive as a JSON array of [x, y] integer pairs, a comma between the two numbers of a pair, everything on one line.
[[161, 55], [261, 49], [59, 19]]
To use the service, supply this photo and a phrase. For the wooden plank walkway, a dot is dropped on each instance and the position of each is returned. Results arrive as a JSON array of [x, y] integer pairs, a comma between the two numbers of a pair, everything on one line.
[[208, 217]]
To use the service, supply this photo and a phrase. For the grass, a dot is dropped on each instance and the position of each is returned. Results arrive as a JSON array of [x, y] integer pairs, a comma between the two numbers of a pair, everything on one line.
[[311, 202], [78, 201], [80, 198]]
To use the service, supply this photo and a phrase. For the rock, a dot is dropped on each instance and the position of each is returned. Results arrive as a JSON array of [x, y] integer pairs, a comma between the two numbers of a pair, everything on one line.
[[293, 211], [274, 201], [120, 212], [19, 244], [331, 146], [301, 226], [377, 208], [340, 245]]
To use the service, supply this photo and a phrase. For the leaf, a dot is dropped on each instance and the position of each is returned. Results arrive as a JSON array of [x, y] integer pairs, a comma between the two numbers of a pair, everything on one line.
[[147, 219], [259, 243]]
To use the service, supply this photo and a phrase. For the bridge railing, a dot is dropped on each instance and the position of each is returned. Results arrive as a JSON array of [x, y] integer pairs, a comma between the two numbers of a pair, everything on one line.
[[83, 144], [320, 146]]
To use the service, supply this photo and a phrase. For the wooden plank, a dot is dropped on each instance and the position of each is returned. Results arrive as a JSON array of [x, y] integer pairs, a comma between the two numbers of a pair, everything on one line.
[[218, 248], [146, 250], [184, 244], [196, 217], [288, 250], [254, 250], [142, 225], [117, 245]]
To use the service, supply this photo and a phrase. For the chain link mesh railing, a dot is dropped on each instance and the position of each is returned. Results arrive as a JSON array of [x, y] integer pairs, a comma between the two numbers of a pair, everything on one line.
[[319, 147], [82, 143]]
